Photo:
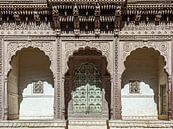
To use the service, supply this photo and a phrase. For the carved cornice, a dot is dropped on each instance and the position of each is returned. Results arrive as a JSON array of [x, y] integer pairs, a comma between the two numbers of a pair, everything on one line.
[[86, 1], [78, 17]]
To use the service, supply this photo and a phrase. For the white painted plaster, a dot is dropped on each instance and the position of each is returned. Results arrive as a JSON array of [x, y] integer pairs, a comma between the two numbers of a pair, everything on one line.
[[138, 105], [37, 106]]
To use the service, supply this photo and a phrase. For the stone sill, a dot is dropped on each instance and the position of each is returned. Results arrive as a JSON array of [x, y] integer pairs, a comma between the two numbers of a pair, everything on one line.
[[141, 123], [32, 123]]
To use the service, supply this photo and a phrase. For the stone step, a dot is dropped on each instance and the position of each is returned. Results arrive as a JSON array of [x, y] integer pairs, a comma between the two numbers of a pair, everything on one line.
[[146, 124]]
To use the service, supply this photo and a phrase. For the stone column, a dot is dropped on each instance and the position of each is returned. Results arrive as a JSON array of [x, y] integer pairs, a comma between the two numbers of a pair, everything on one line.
[[170, 88], [58, 87], [116, 88], [5, 100], [1, 80], [170, 98]]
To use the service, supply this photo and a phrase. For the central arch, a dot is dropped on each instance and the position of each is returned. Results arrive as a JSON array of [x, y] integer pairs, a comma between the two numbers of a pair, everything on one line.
[[88, 82]]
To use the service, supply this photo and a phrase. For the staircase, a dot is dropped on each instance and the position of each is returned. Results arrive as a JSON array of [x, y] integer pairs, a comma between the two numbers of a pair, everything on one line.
[[146, 124]]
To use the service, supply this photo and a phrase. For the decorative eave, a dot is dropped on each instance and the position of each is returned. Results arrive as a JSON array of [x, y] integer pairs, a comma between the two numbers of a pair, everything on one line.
[[23, 7], [149, 8], [86, 1], [149, 1]]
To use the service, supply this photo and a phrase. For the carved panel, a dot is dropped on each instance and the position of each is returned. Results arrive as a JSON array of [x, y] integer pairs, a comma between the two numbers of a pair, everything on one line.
[[134, 87], [161, 47], [38, 87], [103, 46], [13, 47]]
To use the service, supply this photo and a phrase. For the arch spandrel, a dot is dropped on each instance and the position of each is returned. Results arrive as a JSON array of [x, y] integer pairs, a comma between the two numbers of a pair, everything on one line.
[[162, 47], [14, 47], [103, 46]]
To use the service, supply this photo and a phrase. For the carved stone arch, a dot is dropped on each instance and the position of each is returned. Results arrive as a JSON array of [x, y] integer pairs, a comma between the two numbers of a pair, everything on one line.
[[45, 47], [29, 65], [133, 58], [160, 47], [91, 56]]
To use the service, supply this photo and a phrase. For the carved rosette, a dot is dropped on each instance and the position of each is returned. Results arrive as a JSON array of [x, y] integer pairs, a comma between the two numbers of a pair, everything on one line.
[[161, 47], [103, 46], [13, 47]]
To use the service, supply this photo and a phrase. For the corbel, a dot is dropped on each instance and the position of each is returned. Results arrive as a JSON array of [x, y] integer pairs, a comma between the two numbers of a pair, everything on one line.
[[76, 20], [118, 17], [137, 18], [37, 18], [56, 20], [1, 20], [158, 18], [97, 20], [17, 18]]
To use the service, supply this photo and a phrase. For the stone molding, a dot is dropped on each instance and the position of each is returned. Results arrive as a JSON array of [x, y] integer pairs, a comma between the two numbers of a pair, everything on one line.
[[32, 124], [87, 122], [140, 124]]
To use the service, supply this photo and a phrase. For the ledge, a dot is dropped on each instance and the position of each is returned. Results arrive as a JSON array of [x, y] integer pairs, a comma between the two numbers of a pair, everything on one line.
[[31, 124]]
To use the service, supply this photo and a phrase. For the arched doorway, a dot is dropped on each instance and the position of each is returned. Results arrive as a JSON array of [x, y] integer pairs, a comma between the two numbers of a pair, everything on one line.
[[87, 86], [144, 86], [30, 86]]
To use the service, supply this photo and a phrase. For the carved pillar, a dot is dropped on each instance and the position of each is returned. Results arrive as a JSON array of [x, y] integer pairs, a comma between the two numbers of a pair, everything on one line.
[[2, 99], [5, 104], [170, 90], [116, 91], [58, 95], [170, 98]]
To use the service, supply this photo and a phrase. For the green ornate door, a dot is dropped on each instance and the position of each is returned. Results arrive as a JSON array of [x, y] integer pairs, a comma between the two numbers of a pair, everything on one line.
[[87, 95]]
